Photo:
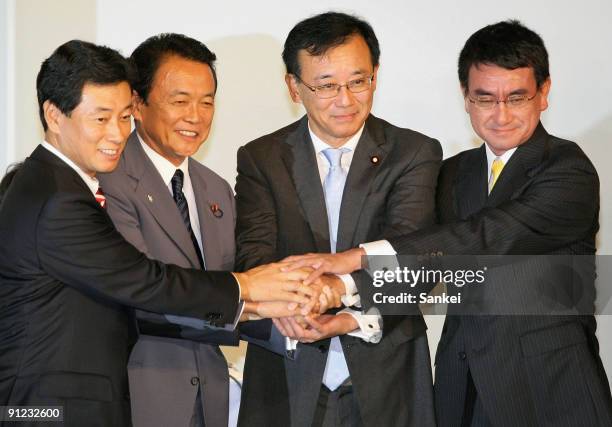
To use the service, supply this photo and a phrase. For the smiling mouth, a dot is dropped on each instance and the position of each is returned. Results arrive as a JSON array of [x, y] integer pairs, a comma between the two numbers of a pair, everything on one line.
[[109, 151], [188, 133]]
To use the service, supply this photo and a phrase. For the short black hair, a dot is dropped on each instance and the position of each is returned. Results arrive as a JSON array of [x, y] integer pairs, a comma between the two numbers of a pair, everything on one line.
[[322, 32], [507, 44], [62, 75], [148, 56]]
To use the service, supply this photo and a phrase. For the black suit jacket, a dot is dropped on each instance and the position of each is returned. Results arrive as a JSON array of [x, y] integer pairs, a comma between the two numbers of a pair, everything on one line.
[[527, 370], [67, 279], [281, 212]]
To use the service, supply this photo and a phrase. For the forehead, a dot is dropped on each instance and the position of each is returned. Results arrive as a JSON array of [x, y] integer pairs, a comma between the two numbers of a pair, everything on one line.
[[115, 96], [493, 77], [175, 73], [351, 56]]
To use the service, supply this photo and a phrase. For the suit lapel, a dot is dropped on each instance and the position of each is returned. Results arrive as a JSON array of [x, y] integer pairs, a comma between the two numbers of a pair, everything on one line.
[[208, 223], [471, 184], [305, 172], [519, 168], [359, 179], [151, 188]]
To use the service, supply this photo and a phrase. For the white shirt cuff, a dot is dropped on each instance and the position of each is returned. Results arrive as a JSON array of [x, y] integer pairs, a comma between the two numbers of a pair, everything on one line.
[[370, 325], [290, 344], [351, 297], [379, 247]]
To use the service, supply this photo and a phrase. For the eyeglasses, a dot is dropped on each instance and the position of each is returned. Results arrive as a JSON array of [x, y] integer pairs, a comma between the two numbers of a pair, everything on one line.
[[330, 90], [513, 101]]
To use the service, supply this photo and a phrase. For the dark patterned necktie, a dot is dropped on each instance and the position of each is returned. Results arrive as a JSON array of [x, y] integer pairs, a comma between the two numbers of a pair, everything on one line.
[[183, 207]]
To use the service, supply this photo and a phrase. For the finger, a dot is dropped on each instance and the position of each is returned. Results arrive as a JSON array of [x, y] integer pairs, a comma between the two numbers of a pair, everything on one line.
[[323, 303], [313, 262], [314, 324], [293, 258], [281, 328], [288, 325], [299, 287], [318, 271]]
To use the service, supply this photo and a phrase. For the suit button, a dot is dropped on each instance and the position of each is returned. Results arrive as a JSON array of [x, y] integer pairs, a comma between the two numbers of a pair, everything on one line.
[[322, 349], [195, 381], [461, 355]]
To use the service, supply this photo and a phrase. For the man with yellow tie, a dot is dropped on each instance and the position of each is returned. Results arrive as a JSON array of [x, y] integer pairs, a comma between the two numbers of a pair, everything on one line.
[[523, 192]]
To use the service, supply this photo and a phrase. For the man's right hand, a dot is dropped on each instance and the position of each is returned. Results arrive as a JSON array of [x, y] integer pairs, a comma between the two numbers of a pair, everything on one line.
[[338, 263], [269, 283]]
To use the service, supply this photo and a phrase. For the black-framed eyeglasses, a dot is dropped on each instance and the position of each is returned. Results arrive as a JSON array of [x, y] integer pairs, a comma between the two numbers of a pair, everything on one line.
[[330, 90], [489, 102]]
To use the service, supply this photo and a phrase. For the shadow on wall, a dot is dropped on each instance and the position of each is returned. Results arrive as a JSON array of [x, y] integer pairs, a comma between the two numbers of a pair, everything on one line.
[[252, 99]]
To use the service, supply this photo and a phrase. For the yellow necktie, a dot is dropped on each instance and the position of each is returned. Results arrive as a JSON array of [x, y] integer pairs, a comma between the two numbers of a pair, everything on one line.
[[496, 169]]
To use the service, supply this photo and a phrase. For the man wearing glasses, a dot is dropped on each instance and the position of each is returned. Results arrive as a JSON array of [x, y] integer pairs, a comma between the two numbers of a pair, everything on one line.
[[524, 192], [335, 178]]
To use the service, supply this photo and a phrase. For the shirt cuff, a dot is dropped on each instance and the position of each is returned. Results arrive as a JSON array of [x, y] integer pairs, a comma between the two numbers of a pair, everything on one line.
[[370, 325], [351, 296], [379, 247], [290, 344]]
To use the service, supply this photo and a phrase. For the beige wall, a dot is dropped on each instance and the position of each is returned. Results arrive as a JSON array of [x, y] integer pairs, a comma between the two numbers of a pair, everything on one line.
[[41, 26]]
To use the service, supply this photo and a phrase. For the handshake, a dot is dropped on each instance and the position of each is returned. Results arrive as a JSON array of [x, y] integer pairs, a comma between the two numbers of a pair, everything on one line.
[[296, 293]]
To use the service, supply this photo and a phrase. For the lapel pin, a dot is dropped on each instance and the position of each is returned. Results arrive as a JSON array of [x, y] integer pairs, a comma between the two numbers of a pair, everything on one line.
[[216, 210], [375, 160], [150, 198]]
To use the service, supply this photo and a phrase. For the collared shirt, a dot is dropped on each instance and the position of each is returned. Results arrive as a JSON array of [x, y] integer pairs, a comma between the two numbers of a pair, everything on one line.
[[91, 182], [369, 324], [166, 170], [492, 156]]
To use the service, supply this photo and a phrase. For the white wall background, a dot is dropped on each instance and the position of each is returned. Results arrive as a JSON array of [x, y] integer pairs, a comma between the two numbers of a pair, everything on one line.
[[417, 84]]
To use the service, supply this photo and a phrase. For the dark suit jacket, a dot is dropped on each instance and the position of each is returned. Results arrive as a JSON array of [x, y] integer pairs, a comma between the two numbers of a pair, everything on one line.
[[162, 369], [67, 279], [527, 370], [281, 212]]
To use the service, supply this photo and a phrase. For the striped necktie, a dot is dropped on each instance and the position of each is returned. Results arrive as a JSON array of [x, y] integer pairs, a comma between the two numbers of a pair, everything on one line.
[[100, 197], [496, 170], [183, 207]]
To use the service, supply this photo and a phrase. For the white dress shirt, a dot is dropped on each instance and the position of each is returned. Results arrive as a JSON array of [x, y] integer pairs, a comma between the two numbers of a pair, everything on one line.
[[369, 324], [166, 170]]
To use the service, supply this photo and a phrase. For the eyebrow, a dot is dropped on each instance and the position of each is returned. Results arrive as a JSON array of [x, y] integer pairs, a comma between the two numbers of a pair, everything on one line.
[[108, 110], [182, 92], [482, 92], [328, 76]]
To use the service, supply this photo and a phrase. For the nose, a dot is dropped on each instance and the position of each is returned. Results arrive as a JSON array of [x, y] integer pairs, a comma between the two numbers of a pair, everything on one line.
[[118, 131], [192, 114], [502, 114], [345, 97]]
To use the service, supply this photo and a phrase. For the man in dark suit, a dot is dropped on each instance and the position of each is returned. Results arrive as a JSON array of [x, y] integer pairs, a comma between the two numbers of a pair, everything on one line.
[[174, 381], [336, 177], [68, 278], [524, 192]]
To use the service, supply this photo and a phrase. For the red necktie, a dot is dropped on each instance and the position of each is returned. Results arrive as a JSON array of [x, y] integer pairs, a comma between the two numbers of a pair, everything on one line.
[[100, 198]]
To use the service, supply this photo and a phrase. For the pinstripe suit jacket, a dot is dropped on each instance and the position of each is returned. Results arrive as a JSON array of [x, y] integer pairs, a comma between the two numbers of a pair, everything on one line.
[[527, 370]]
